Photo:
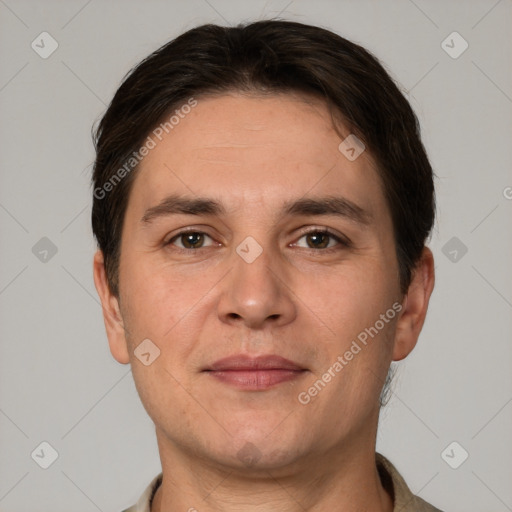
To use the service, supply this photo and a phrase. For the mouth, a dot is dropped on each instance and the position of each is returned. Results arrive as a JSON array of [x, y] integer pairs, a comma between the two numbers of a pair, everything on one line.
[[254, 373]]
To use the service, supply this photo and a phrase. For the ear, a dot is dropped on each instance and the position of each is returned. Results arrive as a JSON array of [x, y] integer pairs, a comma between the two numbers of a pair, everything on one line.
[[415, 306], [111, 313]]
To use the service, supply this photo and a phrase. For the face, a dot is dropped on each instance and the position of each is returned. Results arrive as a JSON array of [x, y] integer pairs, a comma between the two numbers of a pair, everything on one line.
[[248, 233]]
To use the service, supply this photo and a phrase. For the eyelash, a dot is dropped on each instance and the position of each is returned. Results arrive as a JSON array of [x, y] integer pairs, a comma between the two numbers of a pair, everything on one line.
[[344, 242]]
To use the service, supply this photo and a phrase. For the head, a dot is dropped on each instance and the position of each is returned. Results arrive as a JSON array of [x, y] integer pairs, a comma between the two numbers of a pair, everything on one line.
[[262, 189]]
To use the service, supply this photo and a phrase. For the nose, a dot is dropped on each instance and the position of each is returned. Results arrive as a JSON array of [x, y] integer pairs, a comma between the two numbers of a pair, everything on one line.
[[257, 292]]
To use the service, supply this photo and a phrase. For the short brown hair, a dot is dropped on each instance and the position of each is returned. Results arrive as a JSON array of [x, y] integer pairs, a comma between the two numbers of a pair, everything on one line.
[[270, 56]]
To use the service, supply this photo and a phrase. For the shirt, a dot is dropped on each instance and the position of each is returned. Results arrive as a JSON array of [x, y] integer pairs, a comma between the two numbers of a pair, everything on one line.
[[404, 500]]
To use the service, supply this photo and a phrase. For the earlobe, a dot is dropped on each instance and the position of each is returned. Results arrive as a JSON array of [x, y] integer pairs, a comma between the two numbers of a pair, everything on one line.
[[415, 306], [114, 323]]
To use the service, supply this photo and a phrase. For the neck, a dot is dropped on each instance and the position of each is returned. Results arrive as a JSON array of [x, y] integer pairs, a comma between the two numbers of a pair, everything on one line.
[[345, 480]]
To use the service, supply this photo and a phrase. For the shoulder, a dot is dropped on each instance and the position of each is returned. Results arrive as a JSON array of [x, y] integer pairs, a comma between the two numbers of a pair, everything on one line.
[[393, 482], [144, 502]]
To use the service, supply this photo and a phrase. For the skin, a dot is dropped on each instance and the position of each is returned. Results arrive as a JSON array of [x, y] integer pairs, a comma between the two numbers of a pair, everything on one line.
[[298, 299]]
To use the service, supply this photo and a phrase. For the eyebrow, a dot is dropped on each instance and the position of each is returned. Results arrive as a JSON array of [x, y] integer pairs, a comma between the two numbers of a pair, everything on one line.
[[313, 206], [330, 205], [176, 204]]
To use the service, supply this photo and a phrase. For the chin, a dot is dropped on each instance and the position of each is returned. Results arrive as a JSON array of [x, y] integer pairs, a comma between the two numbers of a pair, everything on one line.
[[260, 446]]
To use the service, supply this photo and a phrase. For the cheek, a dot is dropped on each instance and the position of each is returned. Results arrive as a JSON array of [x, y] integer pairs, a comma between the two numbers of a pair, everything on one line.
[[350, 303], [348, 298], [158, 312], [164, 399], [169, 306], [156, 296]]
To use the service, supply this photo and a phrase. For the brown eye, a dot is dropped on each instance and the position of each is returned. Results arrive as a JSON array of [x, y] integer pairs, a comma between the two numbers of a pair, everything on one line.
[[189, 240], [318, 240], [321, 240]]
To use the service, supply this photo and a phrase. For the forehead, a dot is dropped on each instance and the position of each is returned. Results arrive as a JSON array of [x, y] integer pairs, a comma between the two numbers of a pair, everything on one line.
[[254, 148]]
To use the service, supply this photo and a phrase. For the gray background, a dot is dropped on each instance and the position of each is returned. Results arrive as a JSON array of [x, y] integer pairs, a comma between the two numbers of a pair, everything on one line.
[[58, 381]]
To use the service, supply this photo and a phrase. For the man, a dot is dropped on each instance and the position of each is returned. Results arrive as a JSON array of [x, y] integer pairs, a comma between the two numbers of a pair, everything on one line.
[[262, 200]]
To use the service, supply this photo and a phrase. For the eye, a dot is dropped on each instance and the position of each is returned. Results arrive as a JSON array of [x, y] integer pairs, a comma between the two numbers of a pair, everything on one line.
[[189, 240], [315, 239], [321, 239]]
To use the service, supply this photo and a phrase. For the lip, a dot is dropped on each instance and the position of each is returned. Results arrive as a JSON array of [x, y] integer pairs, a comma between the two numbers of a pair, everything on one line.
[[246, 362], [254, 373]]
